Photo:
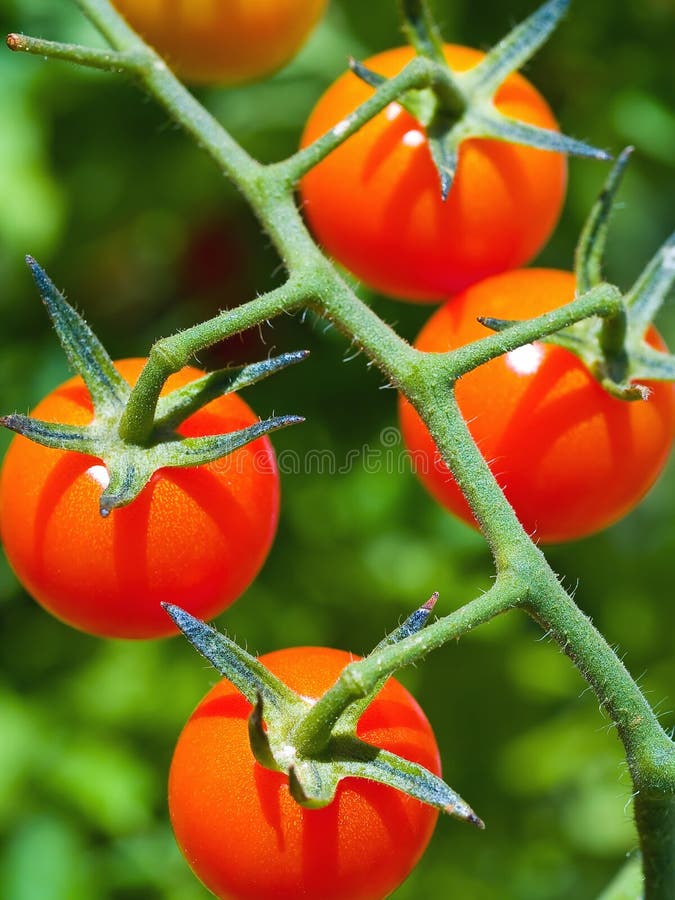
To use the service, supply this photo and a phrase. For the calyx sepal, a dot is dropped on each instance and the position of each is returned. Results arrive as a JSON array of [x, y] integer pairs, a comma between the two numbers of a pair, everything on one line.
[[460, 105], [86, 354], [247, 674], [131, 465], [415, 622], [282, 741], [175, 407]]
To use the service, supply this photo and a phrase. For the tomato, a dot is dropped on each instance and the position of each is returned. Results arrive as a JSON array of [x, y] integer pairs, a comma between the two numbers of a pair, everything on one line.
[[194, 536], [223, 41], [244, 835], [375, 204], [571, 458]]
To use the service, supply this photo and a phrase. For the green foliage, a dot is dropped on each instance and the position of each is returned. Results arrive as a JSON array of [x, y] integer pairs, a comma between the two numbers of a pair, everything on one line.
[[144, 235]]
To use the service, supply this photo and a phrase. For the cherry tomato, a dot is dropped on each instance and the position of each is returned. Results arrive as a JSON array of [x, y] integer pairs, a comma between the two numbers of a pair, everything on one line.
[[223, 41], [194, 536], [244, 835], [570, 458], [375, 204]]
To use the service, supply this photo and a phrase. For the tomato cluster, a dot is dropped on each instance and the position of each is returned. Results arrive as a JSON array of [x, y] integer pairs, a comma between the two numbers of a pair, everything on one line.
[[571, 458]]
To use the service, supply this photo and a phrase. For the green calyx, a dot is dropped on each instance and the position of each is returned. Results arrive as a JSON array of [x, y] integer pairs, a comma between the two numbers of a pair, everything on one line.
[[460, 105], [315, 746], [615, 348], [131, 464]]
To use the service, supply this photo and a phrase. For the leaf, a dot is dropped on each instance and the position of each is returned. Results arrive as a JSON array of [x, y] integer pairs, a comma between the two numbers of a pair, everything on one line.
[[131, 469]]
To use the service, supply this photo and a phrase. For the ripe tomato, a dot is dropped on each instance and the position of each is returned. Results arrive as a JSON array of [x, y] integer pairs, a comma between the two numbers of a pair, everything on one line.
[[223, 41], [195, 536], [375, 204], [570, 458], [244, 835]]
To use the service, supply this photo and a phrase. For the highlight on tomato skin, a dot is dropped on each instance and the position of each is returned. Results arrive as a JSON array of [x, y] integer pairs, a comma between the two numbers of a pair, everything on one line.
[[571, 458], [374, 203], [247, 839], [198, 535], [223, 41]]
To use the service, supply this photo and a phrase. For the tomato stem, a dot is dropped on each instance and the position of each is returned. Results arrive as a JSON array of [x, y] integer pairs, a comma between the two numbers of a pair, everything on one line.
[[418, 74], [655, 818], [105, 18], [360, 679], [649, 750], [604, 300], [169, 355], [613, 335], [92, 57]]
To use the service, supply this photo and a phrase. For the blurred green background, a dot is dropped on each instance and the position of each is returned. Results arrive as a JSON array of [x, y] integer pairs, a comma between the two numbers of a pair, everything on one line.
[[136, 225]]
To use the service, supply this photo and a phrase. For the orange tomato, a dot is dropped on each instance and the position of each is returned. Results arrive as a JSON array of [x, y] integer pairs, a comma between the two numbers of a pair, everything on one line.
[[571, 458], [223, 41], [247, 839], [196, 536], [375, 204]]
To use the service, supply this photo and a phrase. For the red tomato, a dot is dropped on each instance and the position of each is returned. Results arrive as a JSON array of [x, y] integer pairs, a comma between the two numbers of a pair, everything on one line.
[[195, 536], [375, 204], [571, 458], [244, 835], [223, 41]]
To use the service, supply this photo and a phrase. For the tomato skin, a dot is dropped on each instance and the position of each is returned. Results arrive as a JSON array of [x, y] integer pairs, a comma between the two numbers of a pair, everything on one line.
[[196, 537], [375, 204], [223, 41], [570, 458], [246, 838]]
